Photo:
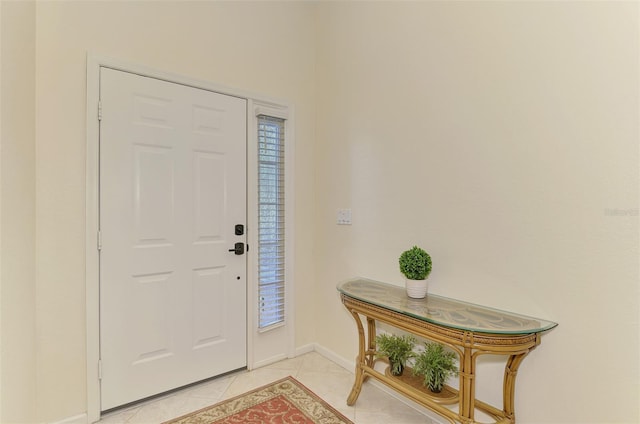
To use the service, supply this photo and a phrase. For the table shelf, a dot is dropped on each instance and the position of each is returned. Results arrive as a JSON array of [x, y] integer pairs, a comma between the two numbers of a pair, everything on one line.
[[447, 396]]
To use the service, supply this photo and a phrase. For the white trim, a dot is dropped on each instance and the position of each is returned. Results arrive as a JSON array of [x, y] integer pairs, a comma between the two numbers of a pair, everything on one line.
[[76, 419], [92, 258], [334, 357], [289, 213], [272, 110], [94, 63], [272, 326], [252, 236], [311, 347], [269, 361], [142, 70]]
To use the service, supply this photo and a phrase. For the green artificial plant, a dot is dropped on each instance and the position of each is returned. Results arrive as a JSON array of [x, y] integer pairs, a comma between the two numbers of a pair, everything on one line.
[[415, 263], [436, 366], [399, 349]]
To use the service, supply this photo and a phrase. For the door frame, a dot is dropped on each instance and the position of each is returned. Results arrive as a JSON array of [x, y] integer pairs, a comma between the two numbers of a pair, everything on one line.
[[92, 259]]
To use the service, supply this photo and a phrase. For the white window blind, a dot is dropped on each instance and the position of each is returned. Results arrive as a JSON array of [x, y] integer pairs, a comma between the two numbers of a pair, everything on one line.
[[271, 258]]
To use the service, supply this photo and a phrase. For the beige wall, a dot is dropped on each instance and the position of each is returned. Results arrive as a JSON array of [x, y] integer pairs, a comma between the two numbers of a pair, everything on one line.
[[261, 47], [502, 137], [17, 224], [499, 136]]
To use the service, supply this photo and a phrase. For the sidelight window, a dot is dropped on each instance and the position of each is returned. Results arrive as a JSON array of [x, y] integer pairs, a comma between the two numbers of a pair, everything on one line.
[[271, 221]]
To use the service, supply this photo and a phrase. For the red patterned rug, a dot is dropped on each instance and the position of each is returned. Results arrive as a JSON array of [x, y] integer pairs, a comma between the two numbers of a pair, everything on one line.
[[285, 401]]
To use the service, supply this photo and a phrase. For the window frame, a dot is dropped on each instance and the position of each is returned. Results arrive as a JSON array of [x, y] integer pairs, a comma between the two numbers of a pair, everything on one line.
[[282, 111]]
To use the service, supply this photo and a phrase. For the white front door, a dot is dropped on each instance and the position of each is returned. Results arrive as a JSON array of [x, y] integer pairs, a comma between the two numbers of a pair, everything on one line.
[[172, 190]]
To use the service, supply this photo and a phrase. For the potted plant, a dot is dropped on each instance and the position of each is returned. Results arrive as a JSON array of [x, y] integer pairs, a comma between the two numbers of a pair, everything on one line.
[[415, 264], [399, 349], [436, 366]]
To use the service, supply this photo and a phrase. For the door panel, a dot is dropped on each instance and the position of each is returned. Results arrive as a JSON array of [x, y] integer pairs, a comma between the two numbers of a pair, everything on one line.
[[172, 187]]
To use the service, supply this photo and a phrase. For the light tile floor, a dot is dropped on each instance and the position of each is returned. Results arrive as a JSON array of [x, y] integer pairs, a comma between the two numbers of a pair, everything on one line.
[[325, 378]]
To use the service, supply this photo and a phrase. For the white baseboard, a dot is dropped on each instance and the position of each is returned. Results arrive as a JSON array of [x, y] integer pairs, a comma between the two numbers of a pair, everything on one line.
[[269, 361], [298, 351], [334, 357], [76, 419], [305, 349]]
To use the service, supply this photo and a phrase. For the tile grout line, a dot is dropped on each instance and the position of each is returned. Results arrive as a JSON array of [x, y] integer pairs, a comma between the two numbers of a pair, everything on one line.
[[223, 395]]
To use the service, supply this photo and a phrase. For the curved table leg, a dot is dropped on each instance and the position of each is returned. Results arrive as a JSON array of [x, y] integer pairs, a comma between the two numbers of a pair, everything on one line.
[[360, 361], [509, 387]]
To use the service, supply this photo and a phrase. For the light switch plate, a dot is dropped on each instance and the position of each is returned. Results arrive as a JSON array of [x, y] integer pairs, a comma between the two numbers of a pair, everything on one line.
[[344, 217]]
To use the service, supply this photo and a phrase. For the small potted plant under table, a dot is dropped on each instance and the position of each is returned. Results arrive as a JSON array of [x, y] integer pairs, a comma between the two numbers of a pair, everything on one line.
[[399, 349], [436, 365]]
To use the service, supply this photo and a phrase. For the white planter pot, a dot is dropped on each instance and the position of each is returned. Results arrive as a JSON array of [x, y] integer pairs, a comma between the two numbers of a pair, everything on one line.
[[416, 289]]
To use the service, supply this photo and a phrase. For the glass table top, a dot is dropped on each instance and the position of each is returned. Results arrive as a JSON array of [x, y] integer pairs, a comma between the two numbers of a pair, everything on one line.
[[442, 310]]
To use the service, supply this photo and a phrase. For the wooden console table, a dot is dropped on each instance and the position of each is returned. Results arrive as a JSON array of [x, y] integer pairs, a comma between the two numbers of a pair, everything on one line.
[[469, 330]]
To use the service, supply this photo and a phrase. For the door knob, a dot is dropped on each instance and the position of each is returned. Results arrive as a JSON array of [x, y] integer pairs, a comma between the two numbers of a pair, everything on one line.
[[238, 248]]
